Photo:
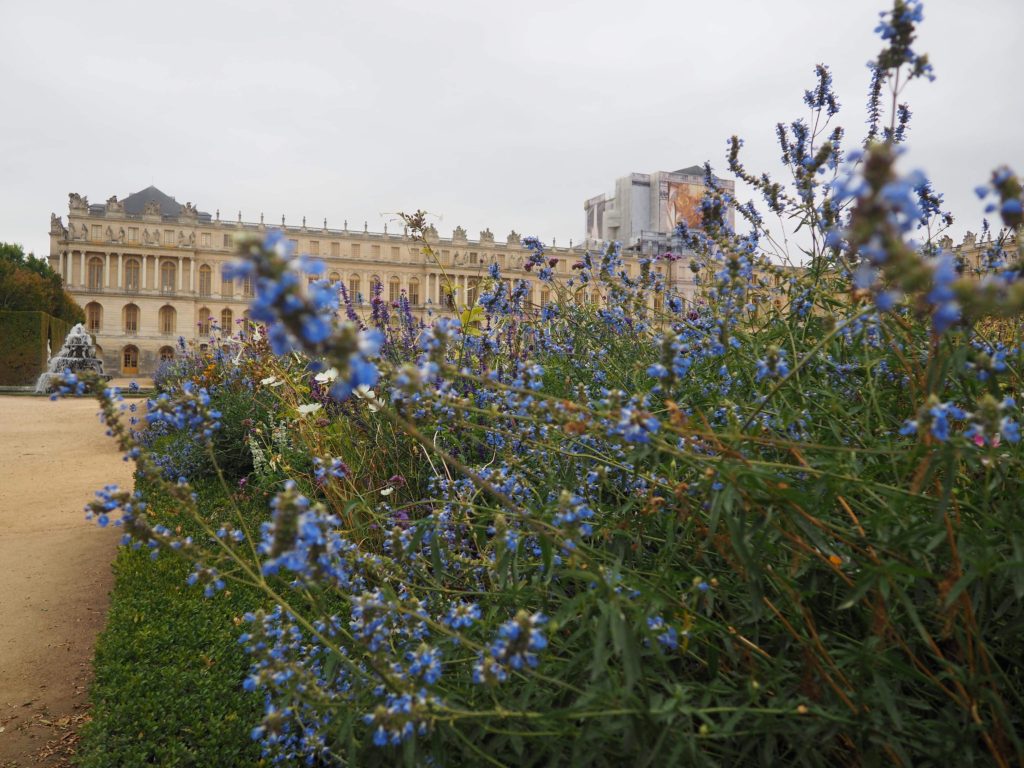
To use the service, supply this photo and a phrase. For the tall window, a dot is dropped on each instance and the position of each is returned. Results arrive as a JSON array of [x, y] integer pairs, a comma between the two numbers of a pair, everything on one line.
[[168, 273], [545, 296], [168, 237], [247, 286], [229, 241], [93, 316], [354, 286], [395, 255], [131, 319], [375, 251], [335, 249], [205, 280], [227, 321], [414, 291], [314, 247], [97, 232], [246, 324], [472, 291], [204, 322], [227, 288], [133, 234], [95, 273], [375, 284], [355, 250], [131, 275], [204, 239], [394, 290], [168, 318], [166, 353]]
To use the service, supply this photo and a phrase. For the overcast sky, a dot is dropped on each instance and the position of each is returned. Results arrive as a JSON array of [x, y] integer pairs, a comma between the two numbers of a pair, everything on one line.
[[488, 115]]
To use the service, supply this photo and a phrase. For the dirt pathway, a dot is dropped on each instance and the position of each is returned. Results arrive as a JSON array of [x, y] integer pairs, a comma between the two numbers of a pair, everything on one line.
[[55, 571]]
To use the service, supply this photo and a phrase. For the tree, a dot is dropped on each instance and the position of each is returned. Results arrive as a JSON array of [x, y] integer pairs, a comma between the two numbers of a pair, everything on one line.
[[30, 284]]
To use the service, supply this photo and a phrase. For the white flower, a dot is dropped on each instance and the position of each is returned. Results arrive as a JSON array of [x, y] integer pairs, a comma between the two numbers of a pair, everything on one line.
[[309, 408], [387, 491], [363, 392], [324, 376], [268, 381]]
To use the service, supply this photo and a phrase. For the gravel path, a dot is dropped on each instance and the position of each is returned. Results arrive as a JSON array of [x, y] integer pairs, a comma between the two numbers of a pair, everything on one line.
[[55, 571]]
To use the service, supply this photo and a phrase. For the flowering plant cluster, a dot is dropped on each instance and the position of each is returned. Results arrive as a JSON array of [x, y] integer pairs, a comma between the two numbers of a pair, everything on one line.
[[777, 521]]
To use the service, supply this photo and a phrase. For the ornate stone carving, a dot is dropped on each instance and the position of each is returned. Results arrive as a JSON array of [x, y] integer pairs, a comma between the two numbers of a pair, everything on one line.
[[110, 235], [120, 235], [146, 237], [114, 206], [969, 239], [77, 203], [151, 208], [459, 234], [181, 239], [191, 239], [487, 236], [430, 233], [513, 238], [189, 210], [56, 227]]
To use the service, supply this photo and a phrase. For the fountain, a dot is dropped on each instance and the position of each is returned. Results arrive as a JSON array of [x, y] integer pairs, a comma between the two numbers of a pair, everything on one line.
[[78, 354]]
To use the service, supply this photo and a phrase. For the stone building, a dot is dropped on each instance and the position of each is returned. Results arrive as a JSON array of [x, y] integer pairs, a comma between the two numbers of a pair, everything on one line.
[[147, 270]]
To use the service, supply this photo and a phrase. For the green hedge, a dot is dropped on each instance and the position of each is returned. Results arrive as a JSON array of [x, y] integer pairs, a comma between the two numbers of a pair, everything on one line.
[[23, 337]]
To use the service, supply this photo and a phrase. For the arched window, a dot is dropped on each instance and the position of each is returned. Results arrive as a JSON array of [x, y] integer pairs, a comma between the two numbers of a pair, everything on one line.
[[166, 353], [472, 291], [168, 276], [375, 285], [247, 287], [659, 302], [334, 277], [595, 297], [168, 319], [93, 317], [131, 320], [131, 275], [227, 288], [246, 324], [354, 286], [545, 296], [96, 273], [414, 291], [205, 280], [394, 290], [130, 360], [227, 322], [204, 322]]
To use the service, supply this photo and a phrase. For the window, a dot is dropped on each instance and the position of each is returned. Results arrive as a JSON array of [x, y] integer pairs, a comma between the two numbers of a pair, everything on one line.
[[166, 353], [227, 288], [226, 321], [168, 237], [204, 322], [168, 318], [314, 247], [375, 251], [229, 241], [131, 275], [472, 291], [353, 289], [97, 232], [247, 286], [130, 360], [205, 280], [133, 234], [395, 253], [96, 273], [294, 244], [446, 257], [376, 286], [414, 291], [93, 317], [355, 250], [131, 319], [246, 323], [334, 277], [473, 257], [394, 290], [545, 296], [168, 275], [204, 239], [335, 249]]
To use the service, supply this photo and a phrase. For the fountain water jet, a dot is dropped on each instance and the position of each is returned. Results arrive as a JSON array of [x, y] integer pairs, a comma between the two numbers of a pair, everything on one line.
[[76, 355]]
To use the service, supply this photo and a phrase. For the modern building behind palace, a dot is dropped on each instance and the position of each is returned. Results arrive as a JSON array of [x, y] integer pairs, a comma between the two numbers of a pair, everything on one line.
[[147, 269]]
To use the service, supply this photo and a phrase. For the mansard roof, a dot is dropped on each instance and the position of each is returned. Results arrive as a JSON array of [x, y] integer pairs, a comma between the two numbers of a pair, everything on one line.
[[136, 203], [693, 170]]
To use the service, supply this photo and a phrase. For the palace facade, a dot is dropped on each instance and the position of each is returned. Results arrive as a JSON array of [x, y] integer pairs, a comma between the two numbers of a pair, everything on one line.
[[148, 270]]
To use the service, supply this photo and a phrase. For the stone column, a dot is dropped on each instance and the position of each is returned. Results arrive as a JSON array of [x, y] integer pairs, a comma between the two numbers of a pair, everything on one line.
[[120, 273], [81, 264], [106, 271], [179, 273]]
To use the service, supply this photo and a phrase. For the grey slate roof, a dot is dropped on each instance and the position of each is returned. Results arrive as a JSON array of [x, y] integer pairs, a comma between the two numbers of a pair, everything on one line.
[[693, 170], [135, 203]]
